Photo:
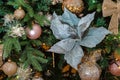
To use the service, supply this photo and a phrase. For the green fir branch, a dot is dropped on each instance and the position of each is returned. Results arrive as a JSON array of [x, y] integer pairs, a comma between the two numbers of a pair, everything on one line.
[[23, 57], [36, 42], [43, 5], [4, 10], [38, 53], [26, 64], [12, 3], [1, 2], [26, 18], [40, 59], [7, 48], [35, 64], [23, 43], [33, 57], [41, 19], [9, 45], [16, 44]]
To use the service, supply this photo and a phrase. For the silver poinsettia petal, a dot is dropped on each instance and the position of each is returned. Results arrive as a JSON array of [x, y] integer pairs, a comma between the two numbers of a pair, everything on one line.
[[69, 18], [84, 23], [60, 30], [63, 46], [94, 37], [74, 56]]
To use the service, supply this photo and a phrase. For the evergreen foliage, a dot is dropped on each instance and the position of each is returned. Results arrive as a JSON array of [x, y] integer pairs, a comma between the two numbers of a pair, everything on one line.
[[9, 45], [31, 15], [31, 53], [33, 57]]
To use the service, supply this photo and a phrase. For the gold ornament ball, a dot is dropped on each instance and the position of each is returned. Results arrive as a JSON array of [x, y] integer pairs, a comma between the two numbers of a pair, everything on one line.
[[9, 68], [19, 13], [75, 6]]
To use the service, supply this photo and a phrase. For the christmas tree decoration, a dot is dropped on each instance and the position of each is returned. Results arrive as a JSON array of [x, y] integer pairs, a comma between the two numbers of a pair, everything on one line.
[[37, 76], [75, 6], [8, 18], [109, 8], [14, 27], [23, 73], [45, 46], [68, 68], [16, 31], [73, 71], [35, 32], [67, 41], [114, 68], [53, 58], [9, 68], [54, 2], [19, 13], [48, 73], [70, 30], [1, 53], [49, 18], [89, 70]]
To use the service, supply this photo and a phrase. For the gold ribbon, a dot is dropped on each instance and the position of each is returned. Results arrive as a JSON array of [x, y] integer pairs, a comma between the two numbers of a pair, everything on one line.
[[109, 8], [1, 52]]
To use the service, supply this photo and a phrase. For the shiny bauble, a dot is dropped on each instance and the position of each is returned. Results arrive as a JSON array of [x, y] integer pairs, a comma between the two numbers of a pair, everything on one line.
[[75, 6], [114, 68], [35, 32], [89, 71], [19, 13], [9, 68]]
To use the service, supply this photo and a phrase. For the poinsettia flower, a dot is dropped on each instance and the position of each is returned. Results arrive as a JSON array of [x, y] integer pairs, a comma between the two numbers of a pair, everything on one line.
[[73, 33]]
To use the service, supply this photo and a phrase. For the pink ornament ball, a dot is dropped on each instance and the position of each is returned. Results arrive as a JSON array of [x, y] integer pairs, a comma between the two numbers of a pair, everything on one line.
[[35, 32], [115, 68]]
